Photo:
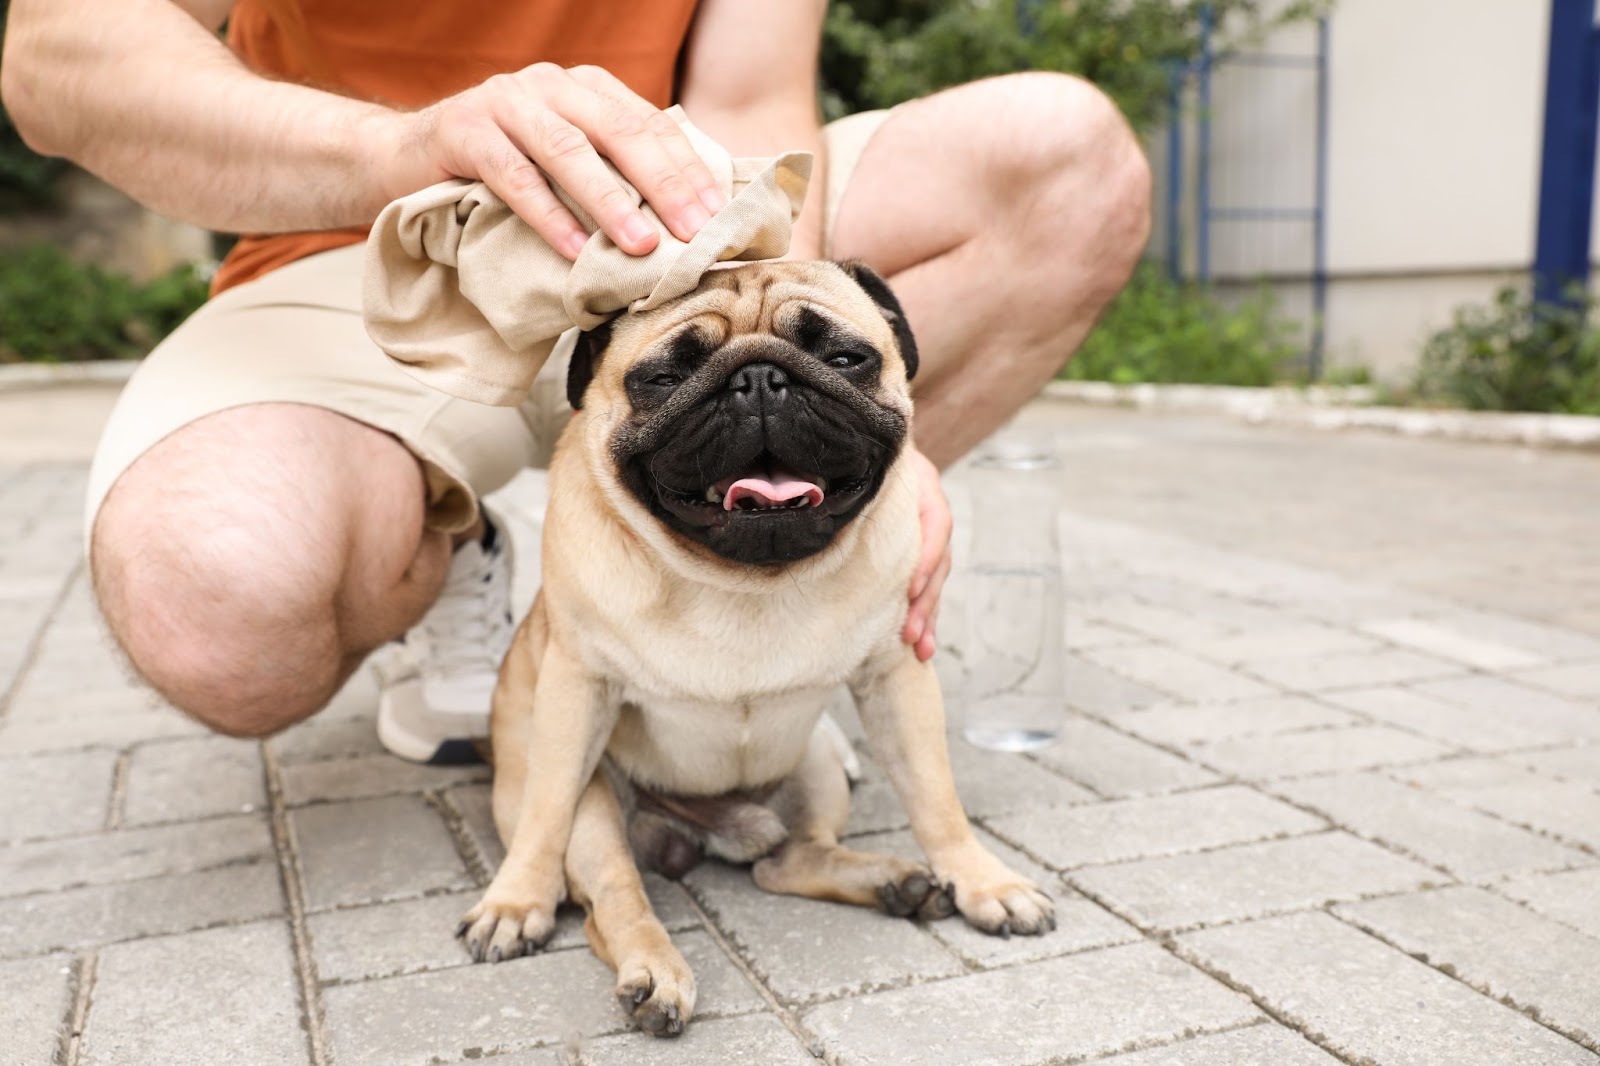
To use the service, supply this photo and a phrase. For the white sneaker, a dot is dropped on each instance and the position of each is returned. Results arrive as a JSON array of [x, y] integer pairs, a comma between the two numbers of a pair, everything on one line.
[[437, 682]]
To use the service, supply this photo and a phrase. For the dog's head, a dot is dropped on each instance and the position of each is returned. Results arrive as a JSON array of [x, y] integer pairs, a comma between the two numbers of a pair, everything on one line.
[[756, 416]]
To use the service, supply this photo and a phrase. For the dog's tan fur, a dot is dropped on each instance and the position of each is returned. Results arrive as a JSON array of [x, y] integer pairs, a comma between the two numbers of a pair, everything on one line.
[[696, 676]]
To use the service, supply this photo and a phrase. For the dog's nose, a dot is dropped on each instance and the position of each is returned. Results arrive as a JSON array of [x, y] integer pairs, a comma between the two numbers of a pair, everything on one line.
[[758, 385]]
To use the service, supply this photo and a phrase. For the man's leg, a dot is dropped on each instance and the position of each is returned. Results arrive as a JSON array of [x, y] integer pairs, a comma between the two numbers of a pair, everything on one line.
[[273, 498], [249, 561], [1006, 214]]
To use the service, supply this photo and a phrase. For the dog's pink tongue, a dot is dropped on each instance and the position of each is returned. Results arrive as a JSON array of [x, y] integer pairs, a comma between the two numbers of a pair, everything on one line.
[[781, 488]]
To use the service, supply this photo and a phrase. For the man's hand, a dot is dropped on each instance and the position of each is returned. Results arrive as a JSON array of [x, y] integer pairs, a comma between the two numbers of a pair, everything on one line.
[[564, 120], [927, 582]]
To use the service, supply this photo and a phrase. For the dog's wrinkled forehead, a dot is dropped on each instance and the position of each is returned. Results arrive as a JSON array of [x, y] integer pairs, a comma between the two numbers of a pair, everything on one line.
[[810, 305]]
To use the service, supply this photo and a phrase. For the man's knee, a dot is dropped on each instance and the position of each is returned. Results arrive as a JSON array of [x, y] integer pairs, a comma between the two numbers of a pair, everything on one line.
[[222, 579], [1059, 132], [195, 610]]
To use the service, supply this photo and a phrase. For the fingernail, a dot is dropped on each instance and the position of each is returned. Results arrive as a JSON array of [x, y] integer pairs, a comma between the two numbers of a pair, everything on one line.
[[694, 217], [636, 229], [713, 199], [573, 243]]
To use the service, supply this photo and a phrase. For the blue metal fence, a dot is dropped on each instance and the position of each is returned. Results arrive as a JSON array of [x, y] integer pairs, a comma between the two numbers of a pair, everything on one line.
[[1193, 215]]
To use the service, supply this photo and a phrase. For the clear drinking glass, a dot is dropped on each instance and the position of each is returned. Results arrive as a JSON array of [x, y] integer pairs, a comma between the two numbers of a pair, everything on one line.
[[1015, 691]]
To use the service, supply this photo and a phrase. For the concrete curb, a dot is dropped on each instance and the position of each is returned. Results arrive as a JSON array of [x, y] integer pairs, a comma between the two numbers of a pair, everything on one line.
[[1337, 407], [15, 377]]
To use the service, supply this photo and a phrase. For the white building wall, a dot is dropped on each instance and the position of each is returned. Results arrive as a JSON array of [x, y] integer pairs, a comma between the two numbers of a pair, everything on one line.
[[1435, 116]]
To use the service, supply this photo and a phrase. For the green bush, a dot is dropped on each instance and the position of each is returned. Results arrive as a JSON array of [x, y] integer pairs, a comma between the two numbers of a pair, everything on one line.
[[52, 309], [878, 53], [1158, 331], [1515, 355]]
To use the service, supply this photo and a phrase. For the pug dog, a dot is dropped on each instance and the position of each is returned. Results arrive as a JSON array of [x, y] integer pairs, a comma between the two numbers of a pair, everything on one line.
[[731, 529]]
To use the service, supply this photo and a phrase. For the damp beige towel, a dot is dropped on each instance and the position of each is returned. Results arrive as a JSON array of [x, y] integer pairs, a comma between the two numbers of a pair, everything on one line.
[[469, 299]]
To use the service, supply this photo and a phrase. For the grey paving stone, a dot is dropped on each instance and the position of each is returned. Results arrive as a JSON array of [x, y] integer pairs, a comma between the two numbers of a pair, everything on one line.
[[480, 1010], [1446, 642], [223, 995], [1572, 897], [104, 914], [1315, 751], [1537, 638], [1463, 841], [1251, 880], [475, 803], [369, 850], [1145, 827], [757, 1040], [807, 949], [1578, 680], [127, 854], [1529, 962], [1370, 1002], [1095, 689], [1580, 765], [1171, 625], [103, 725], [1081, 924], [35, 1005], [1114, 764], [412, 936], [988, 782], [1473, 728], [997, 782], [1083, 634], [325, 737], [1321, 673], [1202, 723], [1288, 640], [1556, 717], [362, 776], [1258, 1045], [1078, 1006], [181, 780], [55, 795], [1179, 674], [1561, 808]]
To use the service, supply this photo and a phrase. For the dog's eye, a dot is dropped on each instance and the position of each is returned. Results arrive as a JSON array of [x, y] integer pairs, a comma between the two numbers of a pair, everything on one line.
[[665, 381], [844, 360]]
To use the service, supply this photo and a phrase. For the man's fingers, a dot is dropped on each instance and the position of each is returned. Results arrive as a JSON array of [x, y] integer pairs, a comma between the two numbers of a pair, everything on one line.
[[923, 616], [566, 154], [635, 137], [503, 167], [666, 131]]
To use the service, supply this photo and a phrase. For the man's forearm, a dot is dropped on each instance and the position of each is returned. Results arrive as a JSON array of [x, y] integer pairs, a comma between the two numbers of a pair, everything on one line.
[[146, 97]]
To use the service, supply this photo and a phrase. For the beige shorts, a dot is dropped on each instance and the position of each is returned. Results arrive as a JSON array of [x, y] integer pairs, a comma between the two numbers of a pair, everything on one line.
[[296, 336]]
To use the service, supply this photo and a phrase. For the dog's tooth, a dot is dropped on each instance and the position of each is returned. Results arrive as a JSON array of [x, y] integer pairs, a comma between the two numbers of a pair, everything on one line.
[[712, 495], [822, 483]]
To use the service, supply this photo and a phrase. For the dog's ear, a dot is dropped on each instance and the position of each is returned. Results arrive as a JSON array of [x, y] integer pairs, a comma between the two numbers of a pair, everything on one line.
[[585, 357], [879, 290]]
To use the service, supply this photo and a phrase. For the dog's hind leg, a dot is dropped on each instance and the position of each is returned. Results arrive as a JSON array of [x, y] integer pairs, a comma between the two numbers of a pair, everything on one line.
[[815, 804], [654, 985]]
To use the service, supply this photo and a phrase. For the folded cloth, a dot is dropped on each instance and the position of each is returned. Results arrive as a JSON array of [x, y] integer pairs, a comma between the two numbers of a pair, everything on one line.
[[469, 299]]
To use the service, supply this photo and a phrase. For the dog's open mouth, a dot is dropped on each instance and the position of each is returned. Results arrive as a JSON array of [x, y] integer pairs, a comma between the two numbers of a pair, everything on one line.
[[766, 486], [765, 489]]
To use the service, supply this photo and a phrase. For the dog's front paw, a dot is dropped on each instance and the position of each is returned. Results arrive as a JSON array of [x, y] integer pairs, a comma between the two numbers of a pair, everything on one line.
[[657, 991], [997, 901], [498, 929]]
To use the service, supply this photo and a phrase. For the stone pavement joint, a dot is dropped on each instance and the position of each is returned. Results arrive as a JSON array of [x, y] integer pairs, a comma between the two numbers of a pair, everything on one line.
[[1328, 792]]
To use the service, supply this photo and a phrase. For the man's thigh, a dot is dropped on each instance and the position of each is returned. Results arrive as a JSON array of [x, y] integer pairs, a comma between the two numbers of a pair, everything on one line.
[[296, 337]]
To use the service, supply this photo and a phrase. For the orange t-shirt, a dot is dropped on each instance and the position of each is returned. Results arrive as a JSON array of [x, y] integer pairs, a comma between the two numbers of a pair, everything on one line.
[[410, 53]]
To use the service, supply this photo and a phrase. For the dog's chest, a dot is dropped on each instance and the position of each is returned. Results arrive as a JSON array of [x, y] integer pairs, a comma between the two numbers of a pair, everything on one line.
[[697, 747]]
